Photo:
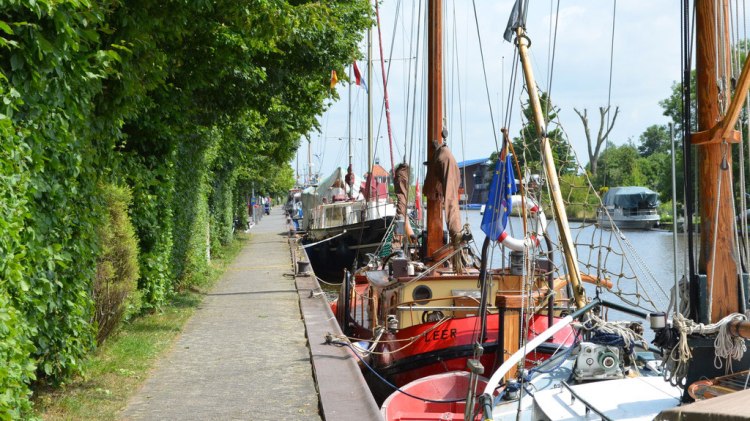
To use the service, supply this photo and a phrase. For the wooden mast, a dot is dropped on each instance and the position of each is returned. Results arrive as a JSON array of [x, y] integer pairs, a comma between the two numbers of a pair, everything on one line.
[[569, 250], [716, 260], [434, 114]]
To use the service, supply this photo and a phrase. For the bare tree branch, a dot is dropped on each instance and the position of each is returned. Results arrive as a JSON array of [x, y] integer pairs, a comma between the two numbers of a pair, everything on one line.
[[585, 121], [601, 137]]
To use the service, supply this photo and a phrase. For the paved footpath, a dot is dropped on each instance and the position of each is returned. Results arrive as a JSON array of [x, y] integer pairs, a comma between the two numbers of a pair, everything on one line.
[[243, 355]]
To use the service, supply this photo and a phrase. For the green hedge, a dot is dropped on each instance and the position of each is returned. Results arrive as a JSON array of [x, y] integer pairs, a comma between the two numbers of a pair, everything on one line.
[[188, 104], [150, 180]]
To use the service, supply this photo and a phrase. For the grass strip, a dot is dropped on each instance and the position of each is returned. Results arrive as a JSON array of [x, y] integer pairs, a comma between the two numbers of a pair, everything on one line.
[[116, 370]]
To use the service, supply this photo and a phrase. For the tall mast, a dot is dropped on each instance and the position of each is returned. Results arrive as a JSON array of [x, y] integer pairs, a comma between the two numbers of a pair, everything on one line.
[[349, 120], [714, 150], [369, 108], [569, 250], [309, 161], [434, 114]]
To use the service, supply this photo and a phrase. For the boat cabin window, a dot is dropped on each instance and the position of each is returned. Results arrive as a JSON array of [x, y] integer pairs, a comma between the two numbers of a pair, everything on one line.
[[421, 294]]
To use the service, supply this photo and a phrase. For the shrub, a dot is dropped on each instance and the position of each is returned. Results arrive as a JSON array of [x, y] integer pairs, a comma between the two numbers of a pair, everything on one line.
[[117, 265], [16, 369], [151, 186]]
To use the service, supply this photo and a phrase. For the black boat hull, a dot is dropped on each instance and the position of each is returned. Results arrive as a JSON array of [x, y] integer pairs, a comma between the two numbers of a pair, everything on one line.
[[344, 247]]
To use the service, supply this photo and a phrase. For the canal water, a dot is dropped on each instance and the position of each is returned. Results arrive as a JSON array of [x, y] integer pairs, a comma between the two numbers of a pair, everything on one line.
[[654, 248], [651, 251]]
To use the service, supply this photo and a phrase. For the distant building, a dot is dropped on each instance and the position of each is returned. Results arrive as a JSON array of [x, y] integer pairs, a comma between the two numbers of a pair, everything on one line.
[[380, 182], [380, 174], [474, 184]]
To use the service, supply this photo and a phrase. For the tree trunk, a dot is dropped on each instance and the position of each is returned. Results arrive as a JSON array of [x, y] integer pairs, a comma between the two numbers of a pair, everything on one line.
[[601, 137]]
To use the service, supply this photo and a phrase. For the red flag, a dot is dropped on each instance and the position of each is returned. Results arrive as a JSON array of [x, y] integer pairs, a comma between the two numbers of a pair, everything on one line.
[[358, 77], [418, 202]]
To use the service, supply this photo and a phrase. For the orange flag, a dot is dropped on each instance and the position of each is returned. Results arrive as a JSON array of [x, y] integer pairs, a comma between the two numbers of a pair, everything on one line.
[[334, 79]]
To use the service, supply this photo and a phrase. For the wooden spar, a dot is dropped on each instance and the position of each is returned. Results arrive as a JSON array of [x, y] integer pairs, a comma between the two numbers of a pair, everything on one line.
[[434, 115], [725, 130], [739, 328], [571, 257], [716, 258]]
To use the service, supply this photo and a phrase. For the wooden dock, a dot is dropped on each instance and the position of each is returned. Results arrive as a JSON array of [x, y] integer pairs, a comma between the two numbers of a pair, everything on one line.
[[344, 395]]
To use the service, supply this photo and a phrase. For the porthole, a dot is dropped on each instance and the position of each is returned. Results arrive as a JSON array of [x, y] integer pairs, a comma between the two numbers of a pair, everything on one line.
[[421, 294]]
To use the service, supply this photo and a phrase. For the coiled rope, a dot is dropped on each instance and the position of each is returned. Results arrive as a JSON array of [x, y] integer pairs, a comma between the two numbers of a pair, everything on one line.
[[726, 346]]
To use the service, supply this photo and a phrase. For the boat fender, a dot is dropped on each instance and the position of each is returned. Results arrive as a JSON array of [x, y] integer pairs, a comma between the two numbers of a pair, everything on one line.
[[531, 241]]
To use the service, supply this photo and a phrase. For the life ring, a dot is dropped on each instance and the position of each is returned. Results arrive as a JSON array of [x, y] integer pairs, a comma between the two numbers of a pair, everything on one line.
[[531, 241]]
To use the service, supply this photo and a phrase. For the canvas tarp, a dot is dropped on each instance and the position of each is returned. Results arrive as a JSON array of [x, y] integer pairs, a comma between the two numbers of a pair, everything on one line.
[[333, 186], [631, 197]]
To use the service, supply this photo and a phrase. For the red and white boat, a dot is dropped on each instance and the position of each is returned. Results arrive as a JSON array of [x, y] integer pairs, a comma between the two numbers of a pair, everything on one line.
[[446, 393]]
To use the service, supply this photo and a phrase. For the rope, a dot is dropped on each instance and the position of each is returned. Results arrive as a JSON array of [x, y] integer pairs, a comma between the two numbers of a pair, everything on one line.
[[430, 269], [743, 201], [410, 341], [619, 329], [676, 361], [484, 71], [385, 84], [327, 283], [386, 382], [553, 50], [611, 60], [716, 235], [729, 347], [460, 111]]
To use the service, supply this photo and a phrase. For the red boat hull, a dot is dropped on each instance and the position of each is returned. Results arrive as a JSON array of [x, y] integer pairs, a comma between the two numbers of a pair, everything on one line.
[[441, 387], [446, 346]]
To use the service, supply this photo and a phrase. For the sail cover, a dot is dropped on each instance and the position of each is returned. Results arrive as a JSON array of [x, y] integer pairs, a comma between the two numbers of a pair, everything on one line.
[[401, 187], [441, 183], [330, 189]]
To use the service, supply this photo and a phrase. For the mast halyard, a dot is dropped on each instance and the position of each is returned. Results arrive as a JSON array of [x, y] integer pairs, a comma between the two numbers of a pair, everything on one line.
[[434, 115], [569, 251]]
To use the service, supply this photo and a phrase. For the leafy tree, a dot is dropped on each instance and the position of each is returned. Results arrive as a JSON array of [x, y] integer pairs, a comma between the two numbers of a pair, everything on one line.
[[620, 167], [654, 139], [672, 106], [528, 144]]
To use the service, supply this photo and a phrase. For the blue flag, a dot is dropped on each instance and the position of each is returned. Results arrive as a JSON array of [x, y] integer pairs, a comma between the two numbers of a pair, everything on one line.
[[497, 209]]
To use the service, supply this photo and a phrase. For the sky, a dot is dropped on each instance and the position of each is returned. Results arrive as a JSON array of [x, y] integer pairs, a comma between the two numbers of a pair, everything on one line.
[[645, 57]]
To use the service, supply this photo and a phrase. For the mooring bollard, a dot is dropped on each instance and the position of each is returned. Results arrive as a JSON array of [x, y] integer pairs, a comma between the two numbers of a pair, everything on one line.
[[303, 268]]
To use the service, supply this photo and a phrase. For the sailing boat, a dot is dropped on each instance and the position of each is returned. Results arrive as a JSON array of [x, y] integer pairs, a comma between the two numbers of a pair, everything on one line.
[[344, 223], [603, 375], [424, 308]]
